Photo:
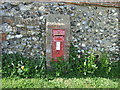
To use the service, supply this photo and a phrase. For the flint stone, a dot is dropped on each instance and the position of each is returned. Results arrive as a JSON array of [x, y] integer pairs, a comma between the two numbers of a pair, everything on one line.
[[35, 46], [14, 3], [29, 46], [7, 5], [18, 36], [10, 52], [42, 17], [112, 49], [18, 25], [73, 8], [25, 7], [30, 27], [29, 39], [2, 13], [24, 44], [23, 39], [10, 37], [75, 45], [75, 40], [84, 22], [83, 45], [101, 30], [41, 8], [6, 28], [5, 44], [35, 38], [114, 36], [78, 24], [72, 14], [85, 39], [84, 14], [115, 14], [73, 23], [100, 13]]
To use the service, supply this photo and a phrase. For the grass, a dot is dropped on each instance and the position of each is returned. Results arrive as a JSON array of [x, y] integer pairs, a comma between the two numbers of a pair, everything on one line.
[[96, 82]]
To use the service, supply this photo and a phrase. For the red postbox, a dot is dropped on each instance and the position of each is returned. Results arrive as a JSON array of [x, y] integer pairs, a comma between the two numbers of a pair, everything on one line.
[[58, 38]]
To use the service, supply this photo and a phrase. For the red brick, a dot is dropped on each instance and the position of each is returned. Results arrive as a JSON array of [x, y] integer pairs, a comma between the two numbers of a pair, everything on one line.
[[3, 36]]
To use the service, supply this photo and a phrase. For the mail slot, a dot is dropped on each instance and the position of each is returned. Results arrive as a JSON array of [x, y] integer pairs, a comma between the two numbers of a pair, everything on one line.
[[58, 38]]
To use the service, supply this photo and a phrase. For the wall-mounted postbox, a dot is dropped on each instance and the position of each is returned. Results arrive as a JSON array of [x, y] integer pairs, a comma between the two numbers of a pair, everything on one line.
[[58, 38]]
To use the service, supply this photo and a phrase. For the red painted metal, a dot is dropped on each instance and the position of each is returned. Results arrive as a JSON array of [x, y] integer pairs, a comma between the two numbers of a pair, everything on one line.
[[58, 38]]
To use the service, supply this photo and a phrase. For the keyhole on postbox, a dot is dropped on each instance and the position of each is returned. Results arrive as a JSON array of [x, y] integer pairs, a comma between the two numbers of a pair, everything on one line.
[[58, 44]]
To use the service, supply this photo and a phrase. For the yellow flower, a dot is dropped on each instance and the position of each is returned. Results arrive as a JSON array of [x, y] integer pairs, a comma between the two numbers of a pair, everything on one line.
[[42, 53], [22, 67]]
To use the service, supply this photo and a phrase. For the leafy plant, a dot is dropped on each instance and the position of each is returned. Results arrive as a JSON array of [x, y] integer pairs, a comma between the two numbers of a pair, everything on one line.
[[17, 65], [89, 63], [104, 62], [59, 67], [85, 65]]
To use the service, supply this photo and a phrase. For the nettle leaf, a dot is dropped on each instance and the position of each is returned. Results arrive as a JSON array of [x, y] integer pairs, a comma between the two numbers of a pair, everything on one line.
[[26, 69]]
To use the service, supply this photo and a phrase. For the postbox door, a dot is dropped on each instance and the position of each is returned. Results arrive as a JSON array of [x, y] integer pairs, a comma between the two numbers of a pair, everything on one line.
[[57, 47]]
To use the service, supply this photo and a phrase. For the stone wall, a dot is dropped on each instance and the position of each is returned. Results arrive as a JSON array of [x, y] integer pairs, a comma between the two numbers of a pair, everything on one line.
[[23, 26]]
